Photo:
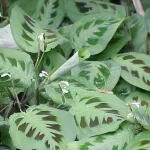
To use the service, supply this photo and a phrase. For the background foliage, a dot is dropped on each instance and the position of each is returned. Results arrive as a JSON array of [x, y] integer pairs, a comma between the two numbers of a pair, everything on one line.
[[74, 75]]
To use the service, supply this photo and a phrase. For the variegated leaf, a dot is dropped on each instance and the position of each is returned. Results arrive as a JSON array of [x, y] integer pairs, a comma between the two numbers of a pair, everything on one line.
[[138, 27], [64, 90], [49, 60], [140, 99], [77, 9], [141, 115], [42, 128], [50, 13], [16, 68], [30, 35], [5, 140], [97, 113], [135, 68], [104, 75], [123, 89], [93, 32], [140, 142], [111, 141], [115, 45]]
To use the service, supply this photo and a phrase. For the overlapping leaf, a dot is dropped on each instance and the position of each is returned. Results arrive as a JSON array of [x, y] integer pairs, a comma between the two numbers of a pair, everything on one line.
[[50, 13], [135, 68], [141, 115], [140, 142], [104, 75], [94, 32], [112, 141], [147, 18], [19, 67], [72, 62], [30, 35], [123, 89], [138, 27], [6, 38], [118, 41], [77, 9], [64, 90], [139, 98], [42, 128], [5, 140], [49, 61], [97, 113]]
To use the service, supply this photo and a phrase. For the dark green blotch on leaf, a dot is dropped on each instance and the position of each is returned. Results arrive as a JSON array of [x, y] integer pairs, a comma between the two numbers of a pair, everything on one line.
[[135, 73], [29, 20], [128, 57], [124, 68], [138, 61], [146, 69]]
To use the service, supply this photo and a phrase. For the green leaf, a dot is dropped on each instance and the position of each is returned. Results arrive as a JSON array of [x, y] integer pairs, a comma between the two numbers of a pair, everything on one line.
[[97, 113], [65, 30], [42, 128], [141, 98], [123, 89], [64, 90], [141, 114], [104, 75], [113, 47], [6, 38], [30, 35], [140, 142], [111, 141], [76, 9], [135, 68], [93, 32], [5, 140], [69, 64], [50, 60], [147, 18], [50, 13], [25, 6], [138, 28], [19, 67], [145, 3]]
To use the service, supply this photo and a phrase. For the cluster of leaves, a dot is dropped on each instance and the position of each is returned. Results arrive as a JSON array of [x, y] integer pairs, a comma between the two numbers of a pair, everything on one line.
[[74, 75]]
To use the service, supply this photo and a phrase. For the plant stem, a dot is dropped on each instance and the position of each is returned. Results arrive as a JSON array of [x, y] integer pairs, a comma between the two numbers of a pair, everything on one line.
[[4, 7], [138, 7], [9, 110], [9, 93], [5, 107], [37, 96], [38, 57], [18, 102], [24, 94], [31, 95], [40, 60]]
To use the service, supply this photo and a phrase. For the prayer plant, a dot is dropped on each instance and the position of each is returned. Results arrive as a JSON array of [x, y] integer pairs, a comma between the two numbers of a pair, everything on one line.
[[75, 75]]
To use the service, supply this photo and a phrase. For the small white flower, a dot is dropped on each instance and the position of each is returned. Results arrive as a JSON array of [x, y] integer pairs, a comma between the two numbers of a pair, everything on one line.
[[130, 115], [43, 74], [137, 104], [65, 82], [65, 91], [6, 74], [41, 37]]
